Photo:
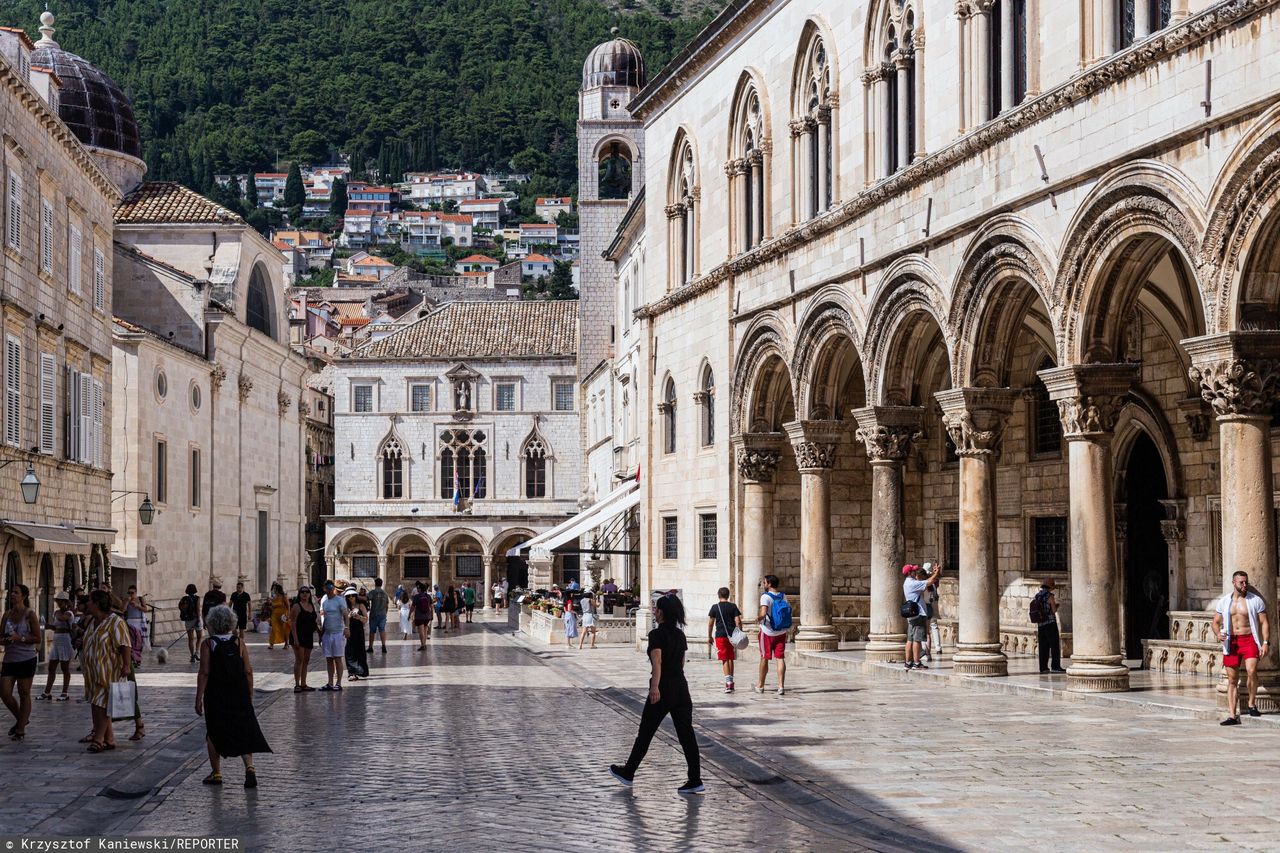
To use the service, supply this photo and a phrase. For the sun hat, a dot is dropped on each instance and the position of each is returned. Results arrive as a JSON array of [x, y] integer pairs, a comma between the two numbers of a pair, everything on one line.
[[908, 569], [927, 567]]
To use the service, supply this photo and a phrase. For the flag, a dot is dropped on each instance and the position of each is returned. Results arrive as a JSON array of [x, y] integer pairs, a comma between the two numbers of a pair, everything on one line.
[[457, 488], [476, 492]]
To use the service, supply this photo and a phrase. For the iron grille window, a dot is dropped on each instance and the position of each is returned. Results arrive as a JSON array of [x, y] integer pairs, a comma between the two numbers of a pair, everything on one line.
[[1049, 544], [535, 470], [951, 545], [365, 565], [707, 531], [1046, 425], [417, 566], [670, 530], [505, 397], [420, 398], [362, 398], [467, 566], [563, 393]]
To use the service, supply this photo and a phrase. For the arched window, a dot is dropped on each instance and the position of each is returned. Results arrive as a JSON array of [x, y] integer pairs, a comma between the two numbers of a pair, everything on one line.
[[707, 404], [682, 214], [747, 171], [812, 139], [258, 307], [614, 179], [894, 88], [12, 572], [391, 458], [1006, 56], [1136, 19], [667, 408], [535, 468], [463, 465]]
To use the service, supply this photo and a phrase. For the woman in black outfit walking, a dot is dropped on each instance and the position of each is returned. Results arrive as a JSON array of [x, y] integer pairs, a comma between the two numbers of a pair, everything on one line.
[[668, 694]]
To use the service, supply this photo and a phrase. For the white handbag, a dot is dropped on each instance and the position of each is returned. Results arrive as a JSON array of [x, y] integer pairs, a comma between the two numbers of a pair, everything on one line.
[[122, 700], [737, 637]]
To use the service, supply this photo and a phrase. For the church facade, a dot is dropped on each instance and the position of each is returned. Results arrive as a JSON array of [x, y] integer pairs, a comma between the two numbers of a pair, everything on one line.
[[1003, 296]]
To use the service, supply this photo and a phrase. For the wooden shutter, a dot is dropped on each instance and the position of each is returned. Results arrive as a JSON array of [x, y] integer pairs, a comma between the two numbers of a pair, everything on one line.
[[12, 391], [75, 261], [48, 402], [15, 211], [46, 237], [86, 418], [96, 451], [99, 280]]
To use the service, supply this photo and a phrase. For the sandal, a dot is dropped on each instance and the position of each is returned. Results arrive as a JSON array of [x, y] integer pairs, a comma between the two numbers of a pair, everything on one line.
[[44, 697], [297, 688], [63, 698], [308, 689], [88, 739], [212, 779], [95, 747], [138, 735]]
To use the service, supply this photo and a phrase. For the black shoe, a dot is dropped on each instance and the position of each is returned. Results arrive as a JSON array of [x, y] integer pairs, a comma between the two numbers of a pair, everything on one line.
[[1230, 721], [621, 774], [1254, 712], [1044, 672], [194, 658], [1059, 670], [250, 778], [688, 789]]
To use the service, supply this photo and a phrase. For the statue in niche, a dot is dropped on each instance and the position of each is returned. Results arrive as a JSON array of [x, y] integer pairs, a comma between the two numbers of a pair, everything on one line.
[[462, 395]]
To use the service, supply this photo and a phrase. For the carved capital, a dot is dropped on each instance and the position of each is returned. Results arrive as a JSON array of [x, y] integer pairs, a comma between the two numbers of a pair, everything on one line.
[[664, 407], [814, 443], [1237, 372], [1198, 415], [244, 385], [796, 126], [674, 211], [1174, 524], [975, 418], [889, 431], [217, 375], [758, 456], [304, 408], [833, 101], [1089, 397], [283, 402]]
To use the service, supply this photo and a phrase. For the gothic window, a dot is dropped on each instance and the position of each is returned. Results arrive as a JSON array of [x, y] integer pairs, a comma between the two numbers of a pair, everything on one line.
[[682, 214], [1006, 57], [614, 172], [812, 125], [668, 411], [1046, 426], [258, 305], [392, 460], [535, 468], [707, 403], [1137, 19], [463, 464], [747, 170]]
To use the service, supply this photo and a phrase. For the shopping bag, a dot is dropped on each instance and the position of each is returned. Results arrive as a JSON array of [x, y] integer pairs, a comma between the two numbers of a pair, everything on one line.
[[122, 700]]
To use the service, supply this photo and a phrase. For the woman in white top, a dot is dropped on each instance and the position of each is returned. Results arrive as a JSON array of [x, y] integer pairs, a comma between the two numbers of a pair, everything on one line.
[[588, 620], [406, 624]]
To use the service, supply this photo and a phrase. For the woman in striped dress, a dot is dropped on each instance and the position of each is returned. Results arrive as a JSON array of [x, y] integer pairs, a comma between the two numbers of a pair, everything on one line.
[[107, 657]]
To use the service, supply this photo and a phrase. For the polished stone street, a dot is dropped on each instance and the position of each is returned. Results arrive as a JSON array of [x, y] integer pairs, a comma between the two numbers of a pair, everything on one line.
[[487, 742]]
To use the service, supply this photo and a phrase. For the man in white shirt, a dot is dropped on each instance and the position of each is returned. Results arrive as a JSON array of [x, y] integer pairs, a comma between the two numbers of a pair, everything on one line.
[[1241, 624], [773, 640], [914, 589]]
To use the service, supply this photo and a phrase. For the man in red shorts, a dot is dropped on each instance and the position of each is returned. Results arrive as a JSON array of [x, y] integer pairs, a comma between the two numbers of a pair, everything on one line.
[[1241, 624], [773, 638], [723, 618]]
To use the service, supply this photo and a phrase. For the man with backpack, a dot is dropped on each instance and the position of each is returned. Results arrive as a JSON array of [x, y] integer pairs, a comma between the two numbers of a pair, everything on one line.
[[775, 623], [1044, 615], [915, 609]]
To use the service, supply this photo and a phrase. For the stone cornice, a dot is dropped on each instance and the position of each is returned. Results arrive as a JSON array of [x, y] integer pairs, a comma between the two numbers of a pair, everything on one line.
[[1123, 65]]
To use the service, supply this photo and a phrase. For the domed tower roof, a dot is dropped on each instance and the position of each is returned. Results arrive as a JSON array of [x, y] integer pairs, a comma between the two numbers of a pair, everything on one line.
[[617, 62], [90, 103]]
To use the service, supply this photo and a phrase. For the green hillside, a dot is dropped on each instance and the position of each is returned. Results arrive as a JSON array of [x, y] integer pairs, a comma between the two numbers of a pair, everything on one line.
[[232, 85]]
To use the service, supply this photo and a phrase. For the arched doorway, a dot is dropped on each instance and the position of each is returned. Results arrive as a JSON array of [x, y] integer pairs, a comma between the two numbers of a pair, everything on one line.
[[1146, 557]]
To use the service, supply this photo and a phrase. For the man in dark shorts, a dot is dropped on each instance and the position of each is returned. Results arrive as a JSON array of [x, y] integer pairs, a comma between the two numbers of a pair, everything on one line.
[[469, 598], [240, 604], [423, 609], [723, 617], [212, 599], [378, 604]]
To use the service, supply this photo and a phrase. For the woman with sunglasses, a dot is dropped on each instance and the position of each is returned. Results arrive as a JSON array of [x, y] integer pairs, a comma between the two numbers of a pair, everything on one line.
[[303, 627]]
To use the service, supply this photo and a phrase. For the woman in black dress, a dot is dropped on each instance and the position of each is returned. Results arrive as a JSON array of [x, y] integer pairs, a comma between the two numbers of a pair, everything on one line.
[[668, 694], [224, 689], [357, 657], [303, 627]]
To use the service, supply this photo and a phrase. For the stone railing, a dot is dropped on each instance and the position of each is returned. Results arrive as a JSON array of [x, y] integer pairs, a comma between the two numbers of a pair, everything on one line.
[[1192, 648], [549, 629]]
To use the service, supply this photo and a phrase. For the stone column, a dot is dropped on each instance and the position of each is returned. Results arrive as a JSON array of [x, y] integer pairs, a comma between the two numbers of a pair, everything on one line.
[[1089, 399], [757, 456], [690, 238], [757, 197], [1174, 528], [981, 21], [886, 109], [808, 128], [486, 591], [815, 443], [975, 419], [1109, 40], [675, 242], [796, 126], [887, 432], [901, 60], [824, 142], [435, 569], [1238, 374], [1007, 38], [1142, 19]]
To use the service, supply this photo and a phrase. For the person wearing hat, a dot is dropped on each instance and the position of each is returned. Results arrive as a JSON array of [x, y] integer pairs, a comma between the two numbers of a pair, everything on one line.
[[60, 655], [914, 589], [335, 630], [212, 599], [356, 655], [932, 646]]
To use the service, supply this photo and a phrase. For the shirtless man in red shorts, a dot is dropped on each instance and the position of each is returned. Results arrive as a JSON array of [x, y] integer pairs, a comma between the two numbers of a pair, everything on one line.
[[1241, 624]]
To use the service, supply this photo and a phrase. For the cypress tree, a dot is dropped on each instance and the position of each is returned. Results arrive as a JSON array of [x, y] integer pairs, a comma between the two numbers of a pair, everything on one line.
[[295, 194]]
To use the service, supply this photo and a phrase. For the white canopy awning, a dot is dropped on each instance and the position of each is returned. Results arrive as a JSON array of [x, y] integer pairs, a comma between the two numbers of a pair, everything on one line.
[[48, 538], [618, 501]]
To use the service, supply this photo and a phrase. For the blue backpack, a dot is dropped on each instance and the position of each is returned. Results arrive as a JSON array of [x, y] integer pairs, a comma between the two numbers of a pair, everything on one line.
[[779, 611]]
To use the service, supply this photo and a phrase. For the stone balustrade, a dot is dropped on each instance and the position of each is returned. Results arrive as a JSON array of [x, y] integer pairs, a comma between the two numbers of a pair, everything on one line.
[[1192, 648]]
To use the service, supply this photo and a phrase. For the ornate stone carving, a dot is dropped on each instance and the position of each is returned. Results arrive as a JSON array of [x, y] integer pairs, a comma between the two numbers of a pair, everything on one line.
[[1127, 63], [1198, 417], [796, 126], [674, 211], [1089, 415], [968, 438], [217, 375], [1089, 396], [244, 385], [304, 408], [812, 455], [283, 402], [1236, 386], [888, 442], [757, 465], [814, 443]]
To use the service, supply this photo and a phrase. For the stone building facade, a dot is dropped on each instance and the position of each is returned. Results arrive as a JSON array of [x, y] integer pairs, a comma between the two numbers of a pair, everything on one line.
[[1004, 302], [456, 441], [205, 407], [317, 410], [55, 352]]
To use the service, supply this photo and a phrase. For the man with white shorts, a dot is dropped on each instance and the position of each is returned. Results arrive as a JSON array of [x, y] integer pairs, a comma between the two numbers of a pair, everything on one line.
[[333, 636]]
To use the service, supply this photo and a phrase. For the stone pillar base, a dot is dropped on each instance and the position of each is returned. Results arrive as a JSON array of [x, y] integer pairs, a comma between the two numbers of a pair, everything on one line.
[[817, 638], [1097, 677], [1268, 692], [882, 648], [980, 659]]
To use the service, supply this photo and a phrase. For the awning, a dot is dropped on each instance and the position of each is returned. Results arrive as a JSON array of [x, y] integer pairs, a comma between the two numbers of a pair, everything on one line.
[[120, 561], [49, 539], [96, 535], [616, 502]]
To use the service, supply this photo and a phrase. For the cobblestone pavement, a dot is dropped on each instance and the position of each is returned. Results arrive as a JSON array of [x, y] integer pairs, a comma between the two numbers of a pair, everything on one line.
[[489, 742]]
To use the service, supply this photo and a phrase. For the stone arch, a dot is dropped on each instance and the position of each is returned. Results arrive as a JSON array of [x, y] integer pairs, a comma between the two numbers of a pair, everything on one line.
[[616, 180], [1143, 414], [500, 544], [761, 374], [827, 360], [261, 307], [398, 540], [1136, 215], [1243, 228], [456, 534], [909, 293], [817, 29], [1004, 284], [683, 208], [881, 15], [338, 545]]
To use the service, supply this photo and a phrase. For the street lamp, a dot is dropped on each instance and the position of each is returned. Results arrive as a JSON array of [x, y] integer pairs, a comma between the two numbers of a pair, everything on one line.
[[30, 483], [146, 509]]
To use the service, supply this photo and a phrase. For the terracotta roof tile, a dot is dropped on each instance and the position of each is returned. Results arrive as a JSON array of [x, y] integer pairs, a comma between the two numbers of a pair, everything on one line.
[[485, 330], [477, 259], [163, 201]]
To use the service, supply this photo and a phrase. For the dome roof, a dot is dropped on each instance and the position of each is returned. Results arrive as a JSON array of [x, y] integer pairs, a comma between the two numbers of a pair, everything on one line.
[[617, 62], [89, 102]]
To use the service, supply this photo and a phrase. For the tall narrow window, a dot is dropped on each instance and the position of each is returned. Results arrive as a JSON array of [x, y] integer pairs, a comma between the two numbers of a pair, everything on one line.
[[392, 470], [264, 539], [161, 489], [707, 536], [13, 229], [12, 391], [891, 105], [46, 237], [813, 126], [707, 401], [535, 469], [75, 260], [99, 280], [670, 537], [48, 402], [682, 214], [446, 473], [1045, 421], [85, 448], [195, 477], [668, 410], [98, 448]]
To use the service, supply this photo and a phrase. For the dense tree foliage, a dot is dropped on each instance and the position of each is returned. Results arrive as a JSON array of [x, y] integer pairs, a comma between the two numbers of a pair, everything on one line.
[[238, 85]]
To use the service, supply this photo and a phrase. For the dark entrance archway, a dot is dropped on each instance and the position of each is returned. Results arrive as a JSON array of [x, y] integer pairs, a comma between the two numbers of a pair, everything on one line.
[[1146, 555]]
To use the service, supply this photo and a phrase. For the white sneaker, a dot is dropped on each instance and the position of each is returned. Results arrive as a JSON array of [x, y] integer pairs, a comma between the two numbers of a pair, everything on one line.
[[756, 689], [780, 691]]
